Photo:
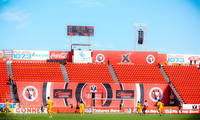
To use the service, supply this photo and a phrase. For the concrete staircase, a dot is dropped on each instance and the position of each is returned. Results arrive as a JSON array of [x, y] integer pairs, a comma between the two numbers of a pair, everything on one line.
[[14, 95], [114, 76], [65, 74], [170, 84]]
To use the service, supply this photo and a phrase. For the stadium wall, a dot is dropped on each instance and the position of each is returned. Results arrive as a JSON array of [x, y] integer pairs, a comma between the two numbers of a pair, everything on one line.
[[103, 56], [106, 94], [108, 97]]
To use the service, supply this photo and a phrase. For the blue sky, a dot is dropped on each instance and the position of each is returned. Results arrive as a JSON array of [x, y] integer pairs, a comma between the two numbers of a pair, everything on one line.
[[173, 26]]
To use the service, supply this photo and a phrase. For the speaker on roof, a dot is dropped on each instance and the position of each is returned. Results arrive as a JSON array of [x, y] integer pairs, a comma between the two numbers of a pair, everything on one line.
[[140, 36]]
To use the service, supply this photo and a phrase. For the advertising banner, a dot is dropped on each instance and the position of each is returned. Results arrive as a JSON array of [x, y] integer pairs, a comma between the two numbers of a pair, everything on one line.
[[6, 54], [1, 54], [30, 55], [125, 94], [191, 106], [59, 55], [183, 59], [12, 105], [62, 93], [82, 56], [125, 57], [29, 110], [22, 54], [152, 110], [40, 55]]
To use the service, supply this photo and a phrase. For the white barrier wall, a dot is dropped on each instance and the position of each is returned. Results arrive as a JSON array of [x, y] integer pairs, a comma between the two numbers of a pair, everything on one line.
[[191, 106]]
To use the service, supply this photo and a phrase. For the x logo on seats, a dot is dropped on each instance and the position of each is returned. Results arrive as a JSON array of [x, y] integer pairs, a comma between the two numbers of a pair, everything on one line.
[[125, 58]]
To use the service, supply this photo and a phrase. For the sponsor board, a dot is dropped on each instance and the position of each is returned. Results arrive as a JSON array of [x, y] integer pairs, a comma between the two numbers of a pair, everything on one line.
[[1, 54], [6, 54], [29, 110], [125, 94], [12, 105], [30, 55], [191, 106], [108, 110], [183, 59], [154, 110], [59, 55], [62, 93], [40, 55], [82, 56]]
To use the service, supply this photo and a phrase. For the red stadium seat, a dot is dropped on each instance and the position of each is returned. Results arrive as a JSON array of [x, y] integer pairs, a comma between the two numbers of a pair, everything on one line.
[[89, 73], [38, 72], [138, 74], [186, 80], [5, 89]]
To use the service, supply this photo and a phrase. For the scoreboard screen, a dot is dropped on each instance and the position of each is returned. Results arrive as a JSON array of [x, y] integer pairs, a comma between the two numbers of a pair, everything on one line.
[[80, 30]]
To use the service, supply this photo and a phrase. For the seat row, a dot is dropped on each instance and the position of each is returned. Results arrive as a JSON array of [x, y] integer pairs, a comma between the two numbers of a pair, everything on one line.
[[186, 80], [4, 87]]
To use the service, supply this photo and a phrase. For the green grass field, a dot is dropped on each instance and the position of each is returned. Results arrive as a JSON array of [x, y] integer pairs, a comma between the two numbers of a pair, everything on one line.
[[100, 117]]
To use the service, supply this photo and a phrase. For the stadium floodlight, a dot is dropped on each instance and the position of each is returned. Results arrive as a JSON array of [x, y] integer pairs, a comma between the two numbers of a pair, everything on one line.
[[140, 36]]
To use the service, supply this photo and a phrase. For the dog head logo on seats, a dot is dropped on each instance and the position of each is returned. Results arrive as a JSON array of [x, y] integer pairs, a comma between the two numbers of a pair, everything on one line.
[[150, 59], [93, 89], [30, 93], [100, 58], [156, 94]]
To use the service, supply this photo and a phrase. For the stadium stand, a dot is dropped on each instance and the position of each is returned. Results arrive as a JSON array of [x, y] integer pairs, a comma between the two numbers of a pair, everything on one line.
[[37, 72], [127, 73], [89, 73], [4, 80], [186, 80]]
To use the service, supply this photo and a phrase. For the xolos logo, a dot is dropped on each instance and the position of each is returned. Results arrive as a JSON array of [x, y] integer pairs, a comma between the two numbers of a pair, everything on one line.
[[150, 59], [100, 58], [194, 107], [126, 58], [30, 93], [156, 94], [93, 89]]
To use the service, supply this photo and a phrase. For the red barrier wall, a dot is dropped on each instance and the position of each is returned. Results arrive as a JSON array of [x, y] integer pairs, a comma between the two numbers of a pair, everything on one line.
[[107, 95], [162, 58], [131, 57]]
